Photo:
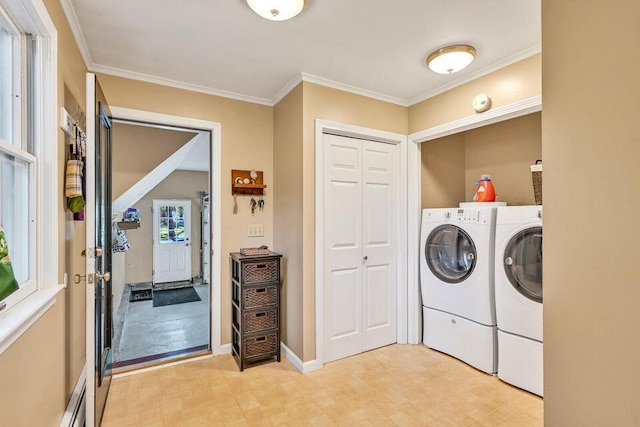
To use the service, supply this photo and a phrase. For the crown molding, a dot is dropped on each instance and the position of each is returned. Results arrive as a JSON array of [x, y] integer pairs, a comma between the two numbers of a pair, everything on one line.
[[118, 72], [293, 83], [477, 74], [352, 89], [74, 24]]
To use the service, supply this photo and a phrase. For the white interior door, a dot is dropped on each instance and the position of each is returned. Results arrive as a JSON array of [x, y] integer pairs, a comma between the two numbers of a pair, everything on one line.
[[171, 240], [360, 201]]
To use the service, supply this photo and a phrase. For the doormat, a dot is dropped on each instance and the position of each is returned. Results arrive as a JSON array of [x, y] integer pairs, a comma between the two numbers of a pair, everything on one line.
[[140, 291], [172, 285], [175, 296]]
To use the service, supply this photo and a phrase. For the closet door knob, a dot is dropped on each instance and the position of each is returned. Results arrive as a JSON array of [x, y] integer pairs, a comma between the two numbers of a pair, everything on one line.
[[365, 257]]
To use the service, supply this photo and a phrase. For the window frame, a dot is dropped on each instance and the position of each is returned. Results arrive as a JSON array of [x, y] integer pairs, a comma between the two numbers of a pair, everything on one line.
[[31, 17]]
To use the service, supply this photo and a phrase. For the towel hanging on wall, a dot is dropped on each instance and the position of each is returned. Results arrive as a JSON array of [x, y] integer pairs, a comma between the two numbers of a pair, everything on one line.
[[73, 179]]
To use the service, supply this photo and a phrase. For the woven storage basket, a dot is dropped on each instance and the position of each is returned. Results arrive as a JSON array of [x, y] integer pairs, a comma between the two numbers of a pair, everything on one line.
[[536, 177], [259, 297], [261, 272], [260, 345], [261, 321]]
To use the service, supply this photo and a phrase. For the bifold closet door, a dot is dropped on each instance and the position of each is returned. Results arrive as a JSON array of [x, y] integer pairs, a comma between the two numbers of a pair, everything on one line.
[[360, 235]]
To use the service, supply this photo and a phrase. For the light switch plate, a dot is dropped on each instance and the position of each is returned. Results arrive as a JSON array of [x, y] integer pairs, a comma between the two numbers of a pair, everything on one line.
[[255, 230]]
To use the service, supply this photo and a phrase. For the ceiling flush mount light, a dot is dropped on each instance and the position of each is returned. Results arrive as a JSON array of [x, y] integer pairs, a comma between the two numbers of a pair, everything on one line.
[[450, 59], [277, 10]]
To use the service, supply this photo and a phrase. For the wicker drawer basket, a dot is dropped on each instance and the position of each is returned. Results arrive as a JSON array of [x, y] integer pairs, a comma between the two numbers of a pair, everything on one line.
[[261, 346], [260, 320], [260, 272], [259, 297]]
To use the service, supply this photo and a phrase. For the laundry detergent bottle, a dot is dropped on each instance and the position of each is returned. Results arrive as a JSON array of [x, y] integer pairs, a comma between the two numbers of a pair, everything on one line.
[[484, 190]]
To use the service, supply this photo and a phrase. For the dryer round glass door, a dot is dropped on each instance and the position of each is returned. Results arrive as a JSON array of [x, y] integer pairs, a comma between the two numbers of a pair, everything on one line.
[[523, 263], [450, 254]]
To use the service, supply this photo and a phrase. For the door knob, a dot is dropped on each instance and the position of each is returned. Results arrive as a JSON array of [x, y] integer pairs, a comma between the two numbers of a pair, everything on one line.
[[365, 257], [106, 276]]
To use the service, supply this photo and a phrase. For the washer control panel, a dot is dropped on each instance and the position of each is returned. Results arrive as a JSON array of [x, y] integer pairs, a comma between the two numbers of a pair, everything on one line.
[[476, 216]]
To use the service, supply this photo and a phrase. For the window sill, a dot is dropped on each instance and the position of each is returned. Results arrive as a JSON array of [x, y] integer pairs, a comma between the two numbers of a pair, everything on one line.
[[23, 315]]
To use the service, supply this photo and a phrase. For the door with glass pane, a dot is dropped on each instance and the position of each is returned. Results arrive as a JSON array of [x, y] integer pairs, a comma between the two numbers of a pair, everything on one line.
[[98, 252], [171, 240]]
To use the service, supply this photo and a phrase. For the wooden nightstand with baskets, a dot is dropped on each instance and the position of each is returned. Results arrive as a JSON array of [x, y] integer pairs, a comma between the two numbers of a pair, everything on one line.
[[255, 307]]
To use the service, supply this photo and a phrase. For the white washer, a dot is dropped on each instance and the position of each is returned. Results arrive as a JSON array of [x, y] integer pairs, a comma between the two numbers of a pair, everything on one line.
[[518, 281], [456, 271]]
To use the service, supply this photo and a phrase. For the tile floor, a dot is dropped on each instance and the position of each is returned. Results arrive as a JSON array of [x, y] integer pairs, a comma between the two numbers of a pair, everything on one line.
[[148, 330], [398, 385]]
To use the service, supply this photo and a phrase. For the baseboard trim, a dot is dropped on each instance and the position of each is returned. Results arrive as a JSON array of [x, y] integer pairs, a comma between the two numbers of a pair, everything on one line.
[[75, 414], [303, 367], [223, 349]]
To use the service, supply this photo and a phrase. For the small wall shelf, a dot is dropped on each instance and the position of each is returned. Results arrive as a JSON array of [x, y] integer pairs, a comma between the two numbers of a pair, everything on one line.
[[128, 225], [255, 187]]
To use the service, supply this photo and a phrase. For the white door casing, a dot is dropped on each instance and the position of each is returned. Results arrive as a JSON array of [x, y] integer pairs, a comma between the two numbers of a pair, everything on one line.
[[215, 198], [360, 201], [171, 240]]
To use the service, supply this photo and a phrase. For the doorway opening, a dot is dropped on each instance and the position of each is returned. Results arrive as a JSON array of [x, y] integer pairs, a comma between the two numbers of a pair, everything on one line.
[[162, 257]]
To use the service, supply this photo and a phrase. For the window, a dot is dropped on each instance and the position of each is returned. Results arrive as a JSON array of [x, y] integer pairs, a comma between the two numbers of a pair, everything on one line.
[[28, 193]]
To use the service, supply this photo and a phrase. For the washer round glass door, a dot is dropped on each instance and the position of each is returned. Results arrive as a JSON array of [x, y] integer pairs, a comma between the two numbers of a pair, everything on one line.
[[523, 263], [450, 254]]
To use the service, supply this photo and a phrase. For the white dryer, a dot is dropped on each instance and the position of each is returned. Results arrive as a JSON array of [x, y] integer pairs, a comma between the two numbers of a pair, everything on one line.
[[518, 283], [456, 276]]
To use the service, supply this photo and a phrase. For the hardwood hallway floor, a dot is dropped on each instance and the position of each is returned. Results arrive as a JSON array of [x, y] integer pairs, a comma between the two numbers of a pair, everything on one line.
[[401, 385]]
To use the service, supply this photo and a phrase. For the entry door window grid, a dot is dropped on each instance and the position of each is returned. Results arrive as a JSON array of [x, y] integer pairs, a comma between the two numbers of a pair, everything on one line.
[[172, 224]]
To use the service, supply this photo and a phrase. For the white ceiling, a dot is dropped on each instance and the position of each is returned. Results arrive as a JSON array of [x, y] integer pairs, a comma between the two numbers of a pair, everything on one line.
[[374, 47]]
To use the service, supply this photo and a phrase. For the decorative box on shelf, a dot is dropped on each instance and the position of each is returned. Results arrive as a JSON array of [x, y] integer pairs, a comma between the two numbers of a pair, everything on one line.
[[255, 307], [254, 251]]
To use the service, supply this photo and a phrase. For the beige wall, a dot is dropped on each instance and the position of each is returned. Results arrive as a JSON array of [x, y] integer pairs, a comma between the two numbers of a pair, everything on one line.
[[40, 369], [247, 143], [287, 215], [180, 184], [590, 132], [443, 172], [505, 150], [505, 86], [320, 102], [137, 150]]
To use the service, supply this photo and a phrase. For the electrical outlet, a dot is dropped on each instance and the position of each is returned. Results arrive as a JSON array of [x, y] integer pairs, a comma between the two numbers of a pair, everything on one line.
[[255, 230]]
